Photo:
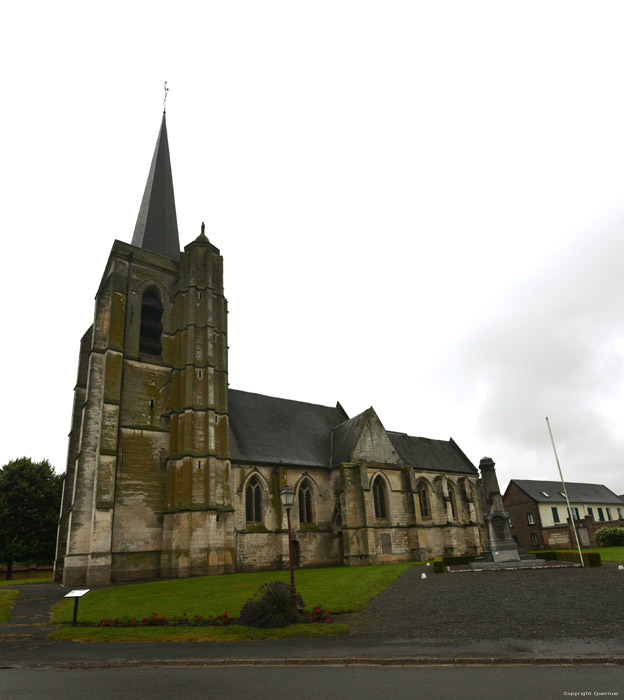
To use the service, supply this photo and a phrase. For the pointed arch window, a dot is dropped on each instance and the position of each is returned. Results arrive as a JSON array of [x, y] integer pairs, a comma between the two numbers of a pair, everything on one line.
[[423, 501], [305, 502], [453, 502], [253, 501], [151, 322], [379, 498]]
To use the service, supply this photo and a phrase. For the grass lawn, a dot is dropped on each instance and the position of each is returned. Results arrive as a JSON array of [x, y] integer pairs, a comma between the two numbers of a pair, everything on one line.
[[339, 589], [24, 581], [231, 633], [615, 554], [7, 598]]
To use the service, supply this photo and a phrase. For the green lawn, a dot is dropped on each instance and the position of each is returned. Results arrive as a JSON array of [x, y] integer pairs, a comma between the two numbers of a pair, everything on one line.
[[24, 581], [340, 589], [7, 598], [615, 554]]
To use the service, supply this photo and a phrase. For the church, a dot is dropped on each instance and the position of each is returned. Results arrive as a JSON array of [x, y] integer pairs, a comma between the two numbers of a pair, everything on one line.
[[171, 473]]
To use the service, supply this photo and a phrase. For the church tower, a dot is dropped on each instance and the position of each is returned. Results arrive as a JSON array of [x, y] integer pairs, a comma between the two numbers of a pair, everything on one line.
[[148, 490]]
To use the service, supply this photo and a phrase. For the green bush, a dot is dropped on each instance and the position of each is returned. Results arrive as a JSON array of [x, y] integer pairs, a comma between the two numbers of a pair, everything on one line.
[[610, 536], [270, 606]]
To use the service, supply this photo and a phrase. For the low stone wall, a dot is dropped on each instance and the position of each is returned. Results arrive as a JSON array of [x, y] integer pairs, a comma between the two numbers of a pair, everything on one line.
[[30, 571]]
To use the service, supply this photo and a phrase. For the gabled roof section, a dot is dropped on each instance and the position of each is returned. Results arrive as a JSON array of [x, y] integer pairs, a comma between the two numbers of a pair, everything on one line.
[[345, 437], [577, 492], [157, 225], [362, 438], [266, 429], [425, 454]]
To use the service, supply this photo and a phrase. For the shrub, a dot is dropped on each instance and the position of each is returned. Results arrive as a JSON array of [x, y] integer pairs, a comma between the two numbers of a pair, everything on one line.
[[318, 615], [610, 536], [270, 606]]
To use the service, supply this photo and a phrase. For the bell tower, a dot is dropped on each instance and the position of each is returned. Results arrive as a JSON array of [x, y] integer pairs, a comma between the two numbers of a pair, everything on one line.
[[148, 490]]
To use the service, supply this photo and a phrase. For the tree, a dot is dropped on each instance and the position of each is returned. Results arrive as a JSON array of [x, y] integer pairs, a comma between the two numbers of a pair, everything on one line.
[[30, 500]]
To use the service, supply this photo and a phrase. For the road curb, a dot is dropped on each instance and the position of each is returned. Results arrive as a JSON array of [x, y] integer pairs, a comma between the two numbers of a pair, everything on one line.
[[329, 661]]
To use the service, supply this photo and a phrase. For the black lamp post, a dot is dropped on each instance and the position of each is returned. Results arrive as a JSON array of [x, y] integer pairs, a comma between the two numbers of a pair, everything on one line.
[[287, 495]]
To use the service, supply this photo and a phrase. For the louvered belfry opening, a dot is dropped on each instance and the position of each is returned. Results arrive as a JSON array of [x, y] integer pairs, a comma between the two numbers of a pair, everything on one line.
[[151, 323]]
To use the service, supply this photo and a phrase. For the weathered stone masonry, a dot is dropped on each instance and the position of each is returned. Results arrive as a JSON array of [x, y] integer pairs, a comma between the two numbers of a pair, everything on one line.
[[172, 473]]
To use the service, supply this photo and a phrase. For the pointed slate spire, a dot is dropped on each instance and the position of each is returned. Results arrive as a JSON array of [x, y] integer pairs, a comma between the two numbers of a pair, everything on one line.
[[157, 226]]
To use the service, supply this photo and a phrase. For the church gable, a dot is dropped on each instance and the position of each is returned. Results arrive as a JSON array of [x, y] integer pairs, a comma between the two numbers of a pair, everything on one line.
[[363, 439]]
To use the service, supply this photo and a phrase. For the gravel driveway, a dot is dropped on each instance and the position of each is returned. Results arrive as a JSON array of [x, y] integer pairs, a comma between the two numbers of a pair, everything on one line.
[[536, 604]]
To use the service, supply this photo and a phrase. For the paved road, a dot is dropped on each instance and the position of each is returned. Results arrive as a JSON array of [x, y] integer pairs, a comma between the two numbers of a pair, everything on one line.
[[307, 683]]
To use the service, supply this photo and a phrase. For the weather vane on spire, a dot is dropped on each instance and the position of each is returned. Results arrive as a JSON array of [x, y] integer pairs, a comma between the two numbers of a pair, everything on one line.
[[165, 100]]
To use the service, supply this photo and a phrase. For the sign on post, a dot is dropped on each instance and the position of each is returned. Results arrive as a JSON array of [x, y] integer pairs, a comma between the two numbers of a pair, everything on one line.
[[76, 595]]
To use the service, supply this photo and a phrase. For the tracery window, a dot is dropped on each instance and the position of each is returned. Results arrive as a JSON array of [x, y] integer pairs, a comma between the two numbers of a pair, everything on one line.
[[379, 498], [305, 502], [253, 501], [151, 322], [423, 501]]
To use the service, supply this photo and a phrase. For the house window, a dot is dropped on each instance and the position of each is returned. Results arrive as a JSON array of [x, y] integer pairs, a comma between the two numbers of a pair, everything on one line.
[[590, 512], [619, 513], [305, 502], [555, 514], [379, 498], [600, 515], [453, 502], [609, 514], [534, 539], [530, 519], [151, 322], [575, 513], [423, 501], [253, 501]]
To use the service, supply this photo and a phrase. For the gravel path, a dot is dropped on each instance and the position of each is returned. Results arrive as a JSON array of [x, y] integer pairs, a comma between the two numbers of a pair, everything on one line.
[[538, 604]]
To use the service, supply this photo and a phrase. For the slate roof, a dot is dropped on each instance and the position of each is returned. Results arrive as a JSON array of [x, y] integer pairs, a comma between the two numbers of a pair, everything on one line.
[[157, 225], [577, 493], [266, 429], [431, 455], [270, 430]]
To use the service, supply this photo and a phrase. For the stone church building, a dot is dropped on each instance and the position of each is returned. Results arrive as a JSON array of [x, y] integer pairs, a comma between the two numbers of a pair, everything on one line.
[[172, 473]]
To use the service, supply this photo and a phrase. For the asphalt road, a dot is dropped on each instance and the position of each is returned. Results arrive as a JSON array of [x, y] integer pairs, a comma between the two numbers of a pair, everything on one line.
[[316, 683]]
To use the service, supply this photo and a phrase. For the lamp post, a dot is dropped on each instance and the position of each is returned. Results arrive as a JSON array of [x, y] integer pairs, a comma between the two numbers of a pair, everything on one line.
[[287, 496]]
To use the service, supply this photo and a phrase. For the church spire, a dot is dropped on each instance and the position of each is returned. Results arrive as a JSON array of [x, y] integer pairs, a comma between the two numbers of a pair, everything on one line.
[[157, 226]]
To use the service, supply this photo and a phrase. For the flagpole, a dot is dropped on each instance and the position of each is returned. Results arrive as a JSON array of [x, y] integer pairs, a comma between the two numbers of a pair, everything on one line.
[[565, 493]]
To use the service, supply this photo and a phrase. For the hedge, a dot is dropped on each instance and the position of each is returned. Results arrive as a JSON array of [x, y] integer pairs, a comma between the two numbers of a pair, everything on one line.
[[590, 558]]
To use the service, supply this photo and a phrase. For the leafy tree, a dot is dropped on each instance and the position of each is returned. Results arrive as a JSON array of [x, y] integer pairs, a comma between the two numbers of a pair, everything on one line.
[[30, 500]]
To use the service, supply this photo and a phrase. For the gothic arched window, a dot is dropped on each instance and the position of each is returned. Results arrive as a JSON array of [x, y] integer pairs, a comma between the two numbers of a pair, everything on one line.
[[423, 501], [253, 501], [379, 498], [305, 502], [453, 502], [151, 322]]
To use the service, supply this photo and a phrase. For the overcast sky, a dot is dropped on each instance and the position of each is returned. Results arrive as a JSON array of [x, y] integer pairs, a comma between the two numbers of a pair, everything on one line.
[[420, 207]]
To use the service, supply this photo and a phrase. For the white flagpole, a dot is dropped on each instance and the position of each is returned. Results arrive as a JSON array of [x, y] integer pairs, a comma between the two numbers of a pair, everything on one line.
[[565, 493]]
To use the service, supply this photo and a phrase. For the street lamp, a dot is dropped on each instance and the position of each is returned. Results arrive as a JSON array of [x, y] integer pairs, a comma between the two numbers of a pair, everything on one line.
[[287, 495]]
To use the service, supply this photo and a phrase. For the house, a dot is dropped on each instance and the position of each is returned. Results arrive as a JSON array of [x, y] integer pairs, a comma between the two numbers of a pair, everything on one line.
[[539, 512]]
